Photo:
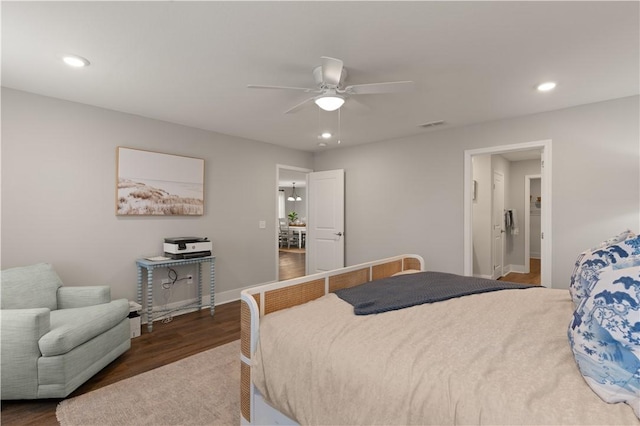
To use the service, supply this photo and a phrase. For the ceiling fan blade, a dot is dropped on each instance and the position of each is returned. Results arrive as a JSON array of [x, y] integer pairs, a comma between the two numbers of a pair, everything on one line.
[[331, 70], [356, 105], [299, 106], [304, 89], [375, 88]]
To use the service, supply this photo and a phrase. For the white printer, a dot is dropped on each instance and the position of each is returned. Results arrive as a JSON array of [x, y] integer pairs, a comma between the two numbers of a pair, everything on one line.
[[187, 247]]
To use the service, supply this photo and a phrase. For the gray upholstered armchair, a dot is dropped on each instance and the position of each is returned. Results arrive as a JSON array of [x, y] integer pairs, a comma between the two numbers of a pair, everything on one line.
[[54, 338]]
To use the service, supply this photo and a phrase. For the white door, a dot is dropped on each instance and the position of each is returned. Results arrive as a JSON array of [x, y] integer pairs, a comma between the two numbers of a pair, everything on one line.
[[325, 227], [498, 225]]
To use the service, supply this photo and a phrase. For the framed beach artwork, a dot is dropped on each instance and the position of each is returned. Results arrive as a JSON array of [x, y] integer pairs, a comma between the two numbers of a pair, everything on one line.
[[156, 184]]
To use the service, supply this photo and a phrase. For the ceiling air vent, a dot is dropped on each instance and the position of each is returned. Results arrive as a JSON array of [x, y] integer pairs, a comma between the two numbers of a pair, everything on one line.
[[432, 124]]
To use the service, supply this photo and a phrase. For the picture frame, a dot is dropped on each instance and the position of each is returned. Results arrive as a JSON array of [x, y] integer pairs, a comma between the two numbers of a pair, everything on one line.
[[150, 183]]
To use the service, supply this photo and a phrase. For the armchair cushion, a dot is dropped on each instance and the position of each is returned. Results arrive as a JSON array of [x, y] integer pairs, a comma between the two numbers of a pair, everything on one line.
[[27, 287], [77, 297], [72, 327]]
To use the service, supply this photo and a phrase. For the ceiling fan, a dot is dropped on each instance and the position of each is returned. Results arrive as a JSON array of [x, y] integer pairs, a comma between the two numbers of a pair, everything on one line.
[[330, 90]]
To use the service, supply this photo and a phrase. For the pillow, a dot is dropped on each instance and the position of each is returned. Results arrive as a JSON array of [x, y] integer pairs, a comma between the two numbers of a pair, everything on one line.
[[627, 263], [605, 335], [575, 289], [406, 271], [33, 286], [617, 239], [591, 261]]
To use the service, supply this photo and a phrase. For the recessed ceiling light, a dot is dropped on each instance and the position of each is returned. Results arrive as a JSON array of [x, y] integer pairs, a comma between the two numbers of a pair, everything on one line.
[[322, 144], [75, 61], [545, 87], [326, 135]]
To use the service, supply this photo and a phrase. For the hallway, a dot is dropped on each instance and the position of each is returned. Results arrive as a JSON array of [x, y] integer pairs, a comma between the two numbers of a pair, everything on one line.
[[292, 263]]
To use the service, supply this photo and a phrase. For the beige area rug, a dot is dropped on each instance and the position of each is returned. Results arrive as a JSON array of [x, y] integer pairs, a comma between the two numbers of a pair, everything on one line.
[[203, 389]]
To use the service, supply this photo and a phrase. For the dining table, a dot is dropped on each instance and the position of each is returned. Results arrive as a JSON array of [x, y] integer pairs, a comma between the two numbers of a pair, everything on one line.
[[300, 229]]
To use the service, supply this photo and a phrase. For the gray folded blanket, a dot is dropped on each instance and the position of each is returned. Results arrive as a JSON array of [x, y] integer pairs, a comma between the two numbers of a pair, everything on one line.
[[404, 291]]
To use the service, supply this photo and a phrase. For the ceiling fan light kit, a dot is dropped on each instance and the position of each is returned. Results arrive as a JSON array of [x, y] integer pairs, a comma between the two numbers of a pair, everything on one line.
[[329, 102]]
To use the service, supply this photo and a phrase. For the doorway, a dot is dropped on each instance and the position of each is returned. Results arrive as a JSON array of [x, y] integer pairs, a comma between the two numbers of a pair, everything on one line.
[[473, 190], [291, 218], [532, 232]]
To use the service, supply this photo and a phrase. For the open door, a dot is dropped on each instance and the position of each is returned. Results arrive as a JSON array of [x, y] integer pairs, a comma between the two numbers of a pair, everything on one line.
[[498, 226], [325, 227]]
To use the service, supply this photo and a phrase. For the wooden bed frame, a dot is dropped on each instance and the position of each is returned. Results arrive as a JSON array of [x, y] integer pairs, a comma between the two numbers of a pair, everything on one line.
[[268, 298]]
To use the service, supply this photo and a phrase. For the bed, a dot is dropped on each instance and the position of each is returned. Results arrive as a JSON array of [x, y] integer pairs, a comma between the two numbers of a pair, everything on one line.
[[500, 357]]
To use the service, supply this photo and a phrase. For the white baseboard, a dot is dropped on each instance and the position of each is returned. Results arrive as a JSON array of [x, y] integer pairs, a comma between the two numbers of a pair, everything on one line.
[[518, 269]]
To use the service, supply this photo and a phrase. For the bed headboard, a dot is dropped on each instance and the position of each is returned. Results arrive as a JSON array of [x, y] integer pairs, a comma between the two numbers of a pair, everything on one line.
[[265, 299]]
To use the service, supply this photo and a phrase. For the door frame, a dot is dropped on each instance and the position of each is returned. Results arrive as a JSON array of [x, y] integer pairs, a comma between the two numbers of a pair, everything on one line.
[[276, 224], [546, 244], [527, 220]]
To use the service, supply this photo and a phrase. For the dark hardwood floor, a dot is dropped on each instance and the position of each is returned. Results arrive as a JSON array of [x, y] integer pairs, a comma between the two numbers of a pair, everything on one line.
[[292, 263], [533, 277], [186, 335]]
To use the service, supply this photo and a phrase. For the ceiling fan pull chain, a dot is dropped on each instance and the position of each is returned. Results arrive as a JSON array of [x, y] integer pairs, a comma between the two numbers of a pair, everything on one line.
[[339, 127]]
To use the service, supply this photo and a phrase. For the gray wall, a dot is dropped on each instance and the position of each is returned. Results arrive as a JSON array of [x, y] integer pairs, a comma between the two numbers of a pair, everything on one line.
[[58, 195], [402, 196], [405, 195]]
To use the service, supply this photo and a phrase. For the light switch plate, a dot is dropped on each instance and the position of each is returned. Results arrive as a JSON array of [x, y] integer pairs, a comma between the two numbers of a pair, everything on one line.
[[262, 224]]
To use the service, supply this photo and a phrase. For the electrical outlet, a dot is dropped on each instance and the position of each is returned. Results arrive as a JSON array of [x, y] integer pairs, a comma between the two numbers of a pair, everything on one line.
[[189, 279]]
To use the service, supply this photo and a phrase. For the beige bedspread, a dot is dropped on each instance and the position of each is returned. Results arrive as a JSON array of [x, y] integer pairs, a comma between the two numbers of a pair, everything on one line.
[[493, 358]]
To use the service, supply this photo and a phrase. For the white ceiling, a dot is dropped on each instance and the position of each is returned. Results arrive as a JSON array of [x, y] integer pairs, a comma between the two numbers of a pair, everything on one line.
[[190, 62]]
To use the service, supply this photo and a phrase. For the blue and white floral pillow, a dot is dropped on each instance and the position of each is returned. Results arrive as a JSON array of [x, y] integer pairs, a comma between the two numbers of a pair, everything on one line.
[[591, 261], [617, 239], [605, 334]]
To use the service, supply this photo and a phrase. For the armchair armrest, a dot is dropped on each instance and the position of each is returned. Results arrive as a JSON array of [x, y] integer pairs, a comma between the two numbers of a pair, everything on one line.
[[78, 297], [21, 329]]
